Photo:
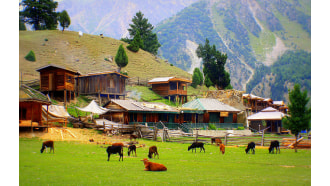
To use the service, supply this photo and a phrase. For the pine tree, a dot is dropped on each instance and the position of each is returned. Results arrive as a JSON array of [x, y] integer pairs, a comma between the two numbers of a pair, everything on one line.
[[299, 115], [121, 58], [214, 65], [41, 14], [197, 78], [136, 44], [208, 82]]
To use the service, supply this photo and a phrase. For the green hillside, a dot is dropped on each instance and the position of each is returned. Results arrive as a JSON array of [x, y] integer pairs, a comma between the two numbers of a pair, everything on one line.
[[87, 54], [252, 33]]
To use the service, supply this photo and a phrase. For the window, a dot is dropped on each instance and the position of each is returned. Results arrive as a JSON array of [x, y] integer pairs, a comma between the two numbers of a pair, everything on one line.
[[69, 79]]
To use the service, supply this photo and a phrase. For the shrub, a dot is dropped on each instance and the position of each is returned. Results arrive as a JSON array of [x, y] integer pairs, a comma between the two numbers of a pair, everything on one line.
[[46, 39], [212, 127], [240, 128], [30, 56]]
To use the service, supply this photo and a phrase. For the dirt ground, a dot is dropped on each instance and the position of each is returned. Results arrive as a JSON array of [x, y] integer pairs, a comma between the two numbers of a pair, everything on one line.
[[75, 134]]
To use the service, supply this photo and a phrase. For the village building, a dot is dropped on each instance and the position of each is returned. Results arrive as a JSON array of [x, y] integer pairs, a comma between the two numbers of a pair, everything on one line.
[[30, 108], [58, 82], [271, 117], [129, 112], [255, 104], [213, 111], [109, 85], [172, 88]]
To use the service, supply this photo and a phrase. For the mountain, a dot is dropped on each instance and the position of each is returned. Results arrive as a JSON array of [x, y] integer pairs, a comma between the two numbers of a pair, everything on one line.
[[253, 33], [112, 17], [87, 54]]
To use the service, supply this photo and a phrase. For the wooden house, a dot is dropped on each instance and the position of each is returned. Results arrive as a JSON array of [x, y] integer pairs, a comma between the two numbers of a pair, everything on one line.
[[272, 118], [174, 89], [30, 108], [105, 84], [213, 111], [128, 111], [58, 82]]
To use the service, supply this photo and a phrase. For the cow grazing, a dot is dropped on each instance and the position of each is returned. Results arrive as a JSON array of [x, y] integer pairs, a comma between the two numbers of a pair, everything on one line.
[[117, 144], [151, 166], [131, 148], [251, 146], [132, 136], [222, 148], [216, 140], [196, 145], [49, 144], [153, 151], [115, 150], [274, 144]]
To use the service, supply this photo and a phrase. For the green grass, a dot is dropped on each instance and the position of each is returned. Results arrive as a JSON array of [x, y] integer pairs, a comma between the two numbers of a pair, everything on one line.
[[85, 164]]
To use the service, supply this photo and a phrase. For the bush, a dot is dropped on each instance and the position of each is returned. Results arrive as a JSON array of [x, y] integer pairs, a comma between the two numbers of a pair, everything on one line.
[[46, 39], [30, 56], [212, 127], [240, 128]]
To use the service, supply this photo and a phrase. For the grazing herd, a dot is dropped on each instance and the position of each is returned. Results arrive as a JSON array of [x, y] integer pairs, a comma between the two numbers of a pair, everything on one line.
[[117, 148]]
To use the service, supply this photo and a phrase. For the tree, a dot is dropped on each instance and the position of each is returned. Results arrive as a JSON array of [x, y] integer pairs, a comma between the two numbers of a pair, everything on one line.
[[41, 14], [64, 19], [136, 44], [300, 115], [121, 58], [214, 65], [208, 82], [141, 25], [197, 78]]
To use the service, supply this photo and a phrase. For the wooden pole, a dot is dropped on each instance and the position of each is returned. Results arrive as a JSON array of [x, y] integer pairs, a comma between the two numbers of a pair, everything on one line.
[[47, 118], [226, 139], [262, 138], [31, 117], [196, 135]]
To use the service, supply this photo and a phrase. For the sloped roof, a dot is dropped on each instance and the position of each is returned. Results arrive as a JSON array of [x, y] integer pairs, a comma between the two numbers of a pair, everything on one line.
[[269, 109], [210, 105], [102, 73], [131, 105], [268, 113], [57, 66], [167, 79], [278, 103], [27, 93]]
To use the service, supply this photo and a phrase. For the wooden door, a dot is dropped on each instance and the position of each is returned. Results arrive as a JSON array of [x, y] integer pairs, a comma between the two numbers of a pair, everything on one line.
[[51, 82]]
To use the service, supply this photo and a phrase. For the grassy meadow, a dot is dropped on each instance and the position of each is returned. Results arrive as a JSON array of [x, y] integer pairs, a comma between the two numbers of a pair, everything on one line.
[[76, 163]]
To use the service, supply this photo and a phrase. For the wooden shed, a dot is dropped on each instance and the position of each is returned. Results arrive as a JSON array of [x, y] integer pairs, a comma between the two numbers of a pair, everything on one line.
[[30, 108], [172, 88], [105, 84], [58, 82]]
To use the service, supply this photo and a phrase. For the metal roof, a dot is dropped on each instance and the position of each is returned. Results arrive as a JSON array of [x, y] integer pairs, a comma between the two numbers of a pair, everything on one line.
[[210, 105], [29, 94], [131, 105], [57, 66], [167, 80]]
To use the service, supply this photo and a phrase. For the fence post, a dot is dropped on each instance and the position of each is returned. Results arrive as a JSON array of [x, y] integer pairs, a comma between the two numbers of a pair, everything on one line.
[[196, 135], [226, 139], [262, 138]]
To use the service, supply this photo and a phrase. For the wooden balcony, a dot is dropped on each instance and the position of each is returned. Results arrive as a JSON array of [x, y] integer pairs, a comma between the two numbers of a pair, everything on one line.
[[177, 92]]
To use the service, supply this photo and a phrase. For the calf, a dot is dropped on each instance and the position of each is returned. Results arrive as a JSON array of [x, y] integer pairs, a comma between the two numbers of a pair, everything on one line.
[[117, 144], [115, 150], [131, 148], [153, 150], [274, 144], [251, 146], [196, 145], [132, 136], [151, 166], [46, 144], [222, 148], [216, 140]]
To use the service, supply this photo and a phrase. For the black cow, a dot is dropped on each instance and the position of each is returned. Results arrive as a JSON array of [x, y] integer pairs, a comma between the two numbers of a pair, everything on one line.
[[251, 146], [196, 145], [115, 150], [131, 148], [274, 144]]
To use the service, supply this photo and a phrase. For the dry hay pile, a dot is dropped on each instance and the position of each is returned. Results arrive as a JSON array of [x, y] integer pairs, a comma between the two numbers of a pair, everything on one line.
[[75, 134]]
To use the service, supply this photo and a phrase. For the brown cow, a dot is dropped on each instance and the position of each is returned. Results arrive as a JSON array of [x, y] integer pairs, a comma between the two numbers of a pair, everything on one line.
[[222, 148], [132, 136], [117, 144], [151, 166], [153, 150], [46, 144], [217, 140]]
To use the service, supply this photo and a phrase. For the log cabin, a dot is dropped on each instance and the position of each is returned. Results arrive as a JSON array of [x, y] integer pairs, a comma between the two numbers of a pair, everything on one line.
[[30, 108], [106, 84], [172, 88], [58, 82]]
